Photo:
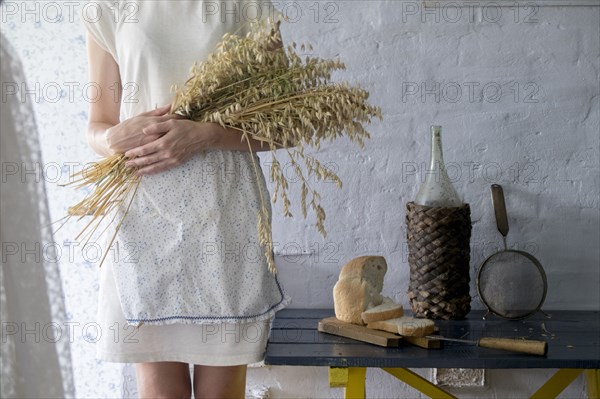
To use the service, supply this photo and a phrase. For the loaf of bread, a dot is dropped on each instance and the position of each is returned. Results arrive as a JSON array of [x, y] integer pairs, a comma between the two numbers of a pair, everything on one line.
[[388, 309], [405, 325], [359, 288]]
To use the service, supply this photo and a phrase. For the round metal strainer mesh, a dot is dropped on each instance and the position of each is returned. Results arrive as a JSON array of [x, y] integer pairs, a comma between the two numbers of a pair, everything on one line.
[[511, 284]]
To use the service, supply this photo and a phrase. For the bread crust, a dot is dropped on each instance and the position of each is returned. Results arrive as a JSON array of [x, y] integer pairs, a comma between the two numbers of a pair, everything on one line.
[[405, 325], [372, 315], [372, 265], [350, 299]]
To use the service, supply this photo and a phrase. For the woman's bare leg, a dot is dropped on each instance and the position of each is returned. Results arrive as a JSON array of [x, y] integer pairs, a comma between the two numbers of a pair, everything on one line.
[[219, 382], [162, 380]]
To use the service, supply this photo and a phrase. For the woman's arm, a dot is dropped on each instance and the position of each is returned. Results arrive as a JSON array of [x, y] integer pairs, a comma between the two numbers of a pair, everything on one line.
[[106, 135], [103, 114], [183, 138]]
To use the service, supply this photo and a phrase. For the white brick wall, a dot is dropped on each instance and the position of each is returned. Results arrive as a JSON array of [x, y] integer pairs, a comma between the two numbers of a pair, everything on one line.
[[527, 119], [518, 102]]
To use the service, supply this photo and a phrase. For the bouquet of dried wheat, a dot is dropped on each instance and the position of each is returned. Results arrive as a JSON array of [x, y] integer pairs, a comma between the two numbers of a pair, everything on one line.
[[268, 93]]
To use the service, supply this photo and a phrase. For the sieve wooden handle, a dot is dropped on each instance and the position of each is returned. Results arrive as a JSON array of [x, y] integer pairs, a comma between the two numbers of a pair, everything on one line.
[[500, 209], [531, 347]]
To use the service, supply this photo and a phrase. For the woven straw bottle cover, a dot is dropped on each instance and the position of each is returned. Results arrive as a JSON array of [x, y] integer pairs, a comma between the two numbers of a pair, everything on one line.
[[439, 231]]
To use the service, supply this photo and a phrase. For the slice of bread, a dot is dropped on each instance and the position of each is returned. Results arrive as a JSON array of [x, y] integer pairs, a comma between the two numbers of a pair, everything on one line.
[[405, 325], [388, 309]]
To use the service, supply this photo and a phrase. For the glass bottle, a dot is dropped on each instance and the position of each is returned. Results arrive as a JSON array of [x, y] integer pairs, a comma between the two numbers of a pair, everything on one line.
[[437, 190]]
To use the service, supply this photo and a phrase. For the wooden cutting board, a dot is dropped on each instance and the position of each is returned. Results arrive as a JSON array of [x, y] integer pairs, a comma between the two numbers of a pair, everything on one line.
[[331, 325]]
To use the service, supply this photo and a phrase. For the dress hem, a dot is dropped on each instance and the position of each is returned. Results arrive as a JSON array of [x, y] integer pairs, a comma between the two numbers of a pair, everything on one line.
[[190, 358], [285, 301]]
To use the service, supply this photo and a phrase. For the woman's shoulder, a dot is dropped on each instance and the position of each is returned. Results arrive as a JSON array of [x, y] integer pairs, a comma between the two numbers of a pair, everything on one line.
[[100, 17]]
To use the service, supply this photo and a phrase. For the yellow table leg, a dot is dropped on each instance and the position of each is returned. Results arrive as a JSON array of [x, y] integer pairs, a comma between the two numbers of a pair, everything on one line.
[[593, 383], [353, 378], [419, 383], [557, 383], [338, 377], [355, 388]]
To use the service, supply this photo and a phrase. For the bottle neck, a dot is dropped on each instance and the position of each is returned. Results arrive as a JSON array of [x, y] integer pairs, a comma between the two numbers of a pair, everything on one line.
[[437, 155]]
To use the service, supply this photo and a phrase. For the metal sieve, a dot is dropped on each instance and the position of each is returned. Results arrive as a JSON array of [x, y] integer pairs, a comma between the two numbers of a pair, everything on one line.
[[510, 283]]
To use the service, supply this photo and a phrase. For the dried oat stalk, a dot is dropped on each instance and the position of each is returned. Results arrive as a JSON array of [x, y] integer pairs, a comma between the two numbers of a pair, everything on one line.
[[113, 184]]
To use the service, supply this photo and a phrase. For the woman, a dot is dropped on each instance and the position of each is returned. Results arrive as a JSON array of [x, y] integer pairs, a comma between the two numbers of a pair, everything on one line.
[[186, 265]]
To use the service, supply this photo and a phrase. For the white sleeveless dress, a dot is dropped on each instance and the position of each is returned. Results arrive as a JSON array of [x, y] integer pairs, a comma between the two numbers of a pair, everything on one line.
[[186, 261]]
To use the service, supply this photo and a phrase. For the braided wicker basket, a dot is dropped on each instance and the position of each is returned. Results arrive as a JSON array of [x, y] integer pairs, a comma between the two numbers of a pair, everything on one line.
[[439, 254]]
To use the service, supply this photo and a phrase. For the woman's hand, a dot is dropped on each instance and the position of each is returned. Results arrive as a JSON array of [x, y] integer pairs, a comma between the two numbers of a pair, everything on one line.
[[131, 132], [179, 139]]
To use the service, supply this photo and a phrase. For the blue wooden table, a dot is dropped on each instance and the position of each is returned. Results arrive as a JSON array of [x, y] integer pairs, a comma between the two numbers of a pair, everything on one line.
[[573, 348]]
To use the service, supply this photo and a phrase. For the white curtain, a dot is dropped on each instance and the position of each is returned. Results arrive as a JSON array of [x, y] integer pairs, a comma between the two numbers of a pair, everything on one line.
[[53, 56], [35, 357]]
